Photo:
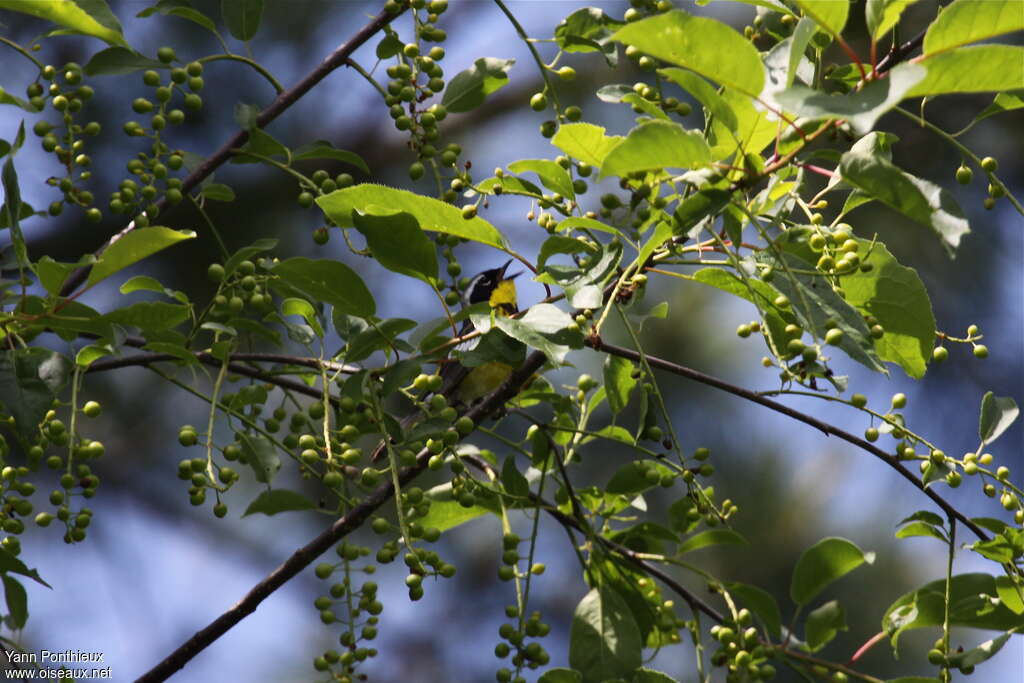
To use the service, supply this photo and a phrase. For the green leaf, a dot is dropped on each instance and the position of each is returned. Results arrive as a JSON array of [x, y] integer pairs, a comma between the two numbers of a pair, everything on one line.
[[709, 538], [969, 21], [662, 233], [560, 244], [882, 15], [802, 34], [544, 327], [976, 68], [10, 563], [509, 184], [431, 214], [52, 274], [706, 46], [815, 306], [603, 641], [551, 175], [12, 211], [1010, 594], [30, 378], [260, 454], [656, 145], [119, 60], [149, 316], [278, 500], [8, 98], [329, 281], [380, 336], [586, 30], [998, 549], [823, 624], [87, 17], [446, 513], [643, 675], [132, 248], [242, 17], [921, 529], [581, 223], [703, 92], [322, 149], [619, 382], [301, 307], [397, 242], [1004, 101], [694, 209], [831, 15], [916, 198], [997, 414], [982, 652], [390, 45], [970, 606], [187, 13], [895, 295], [513, 480], [245, 253], [760, 602], [468, 89], [861, 108], [755, 129], [260, 142], [17, 601], [560, 676], [586, 142], [760, 293], [218, 192], [826, 561]]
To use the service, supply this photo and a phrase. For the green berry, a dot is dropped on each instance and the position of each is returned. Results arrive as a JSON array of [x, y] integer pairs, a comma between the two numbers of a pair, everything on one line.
[[539, 102], [980, 351], [964, 175], [166, 55], [989, 164]]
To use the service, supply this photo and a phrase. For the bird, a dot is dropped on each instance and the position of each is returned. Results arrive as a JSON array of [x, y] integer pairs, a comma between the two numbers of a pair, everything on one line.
[[462, 383]]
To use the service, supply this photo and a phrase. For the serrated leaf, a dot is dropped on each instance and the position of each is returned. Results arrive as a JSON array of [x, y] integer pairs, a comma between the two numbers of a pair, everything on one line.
[[469, 88], [242, 17], [119, 60], [149, 316], [704, 93], [431, 214], [260, 455], [709, 538], [969, 21], [997, 414], [92, 19], [655, 145], [551, 175], [10, 563], [513, 480], [975, 68], [329, 281], [132, 248], [916, 198], [322, 149], [706, 46], [969, 607], [823, 624], [586, 142], [604, 641], [861, 108], [895, 295], [618, 382], [262, 143], [585, 30], [29, 380], [761, 603], [17, 601], [218, 192], [823, 563], [831, 15], [882, 15], [52, 274], [397, 242], [278, 500], [546, 328]]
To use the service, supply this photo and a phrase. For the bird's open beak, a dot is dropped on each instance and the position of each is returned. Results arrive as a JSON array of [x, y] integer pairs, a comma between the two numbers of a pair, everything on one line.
[[504, 268]]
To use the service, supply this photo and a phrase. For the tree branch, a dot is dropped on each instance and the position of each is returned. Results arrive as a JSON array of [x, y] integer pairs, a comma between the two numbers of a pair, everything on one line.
[[282, 102], [824, 427], [352, 520]]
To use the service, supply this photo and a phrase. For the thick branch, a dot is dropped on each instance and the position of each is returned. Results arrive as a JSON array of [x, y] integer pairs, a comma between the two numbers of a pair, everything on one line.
[[825, 427], [352, 520], [283, 101]]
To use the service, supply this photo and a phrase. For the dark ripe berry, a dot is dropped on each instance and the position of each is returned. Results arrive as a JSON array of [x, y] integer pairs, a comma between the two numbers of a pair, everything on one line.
[[548, 128], [321, 236]]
